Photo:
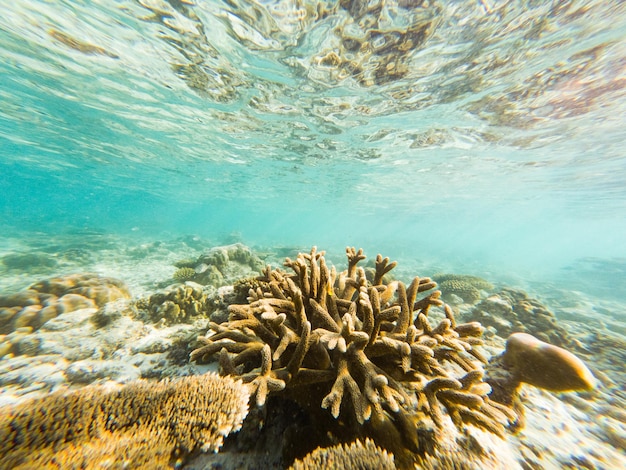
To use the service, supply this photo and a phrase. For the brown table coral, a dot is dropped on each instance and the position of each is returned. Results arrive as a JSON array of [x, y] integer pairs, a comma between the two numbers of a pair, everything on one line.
[[368, 351]]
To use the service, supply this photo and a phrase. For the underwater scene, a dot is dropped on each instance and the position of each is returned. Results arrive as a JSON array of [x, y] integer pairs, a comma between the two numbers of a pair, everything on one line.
[[313, 234]]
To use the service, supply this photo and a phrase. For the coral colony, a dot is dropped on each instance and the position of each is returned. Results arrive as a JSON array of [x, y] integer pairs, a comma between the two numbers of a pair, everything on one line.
[[383, 370], [370, 351]]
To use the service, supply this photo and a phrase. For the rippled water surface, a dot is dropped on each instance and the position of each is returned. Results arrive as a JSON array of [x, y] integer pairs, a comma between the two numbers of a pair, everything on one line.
[[489, 132]]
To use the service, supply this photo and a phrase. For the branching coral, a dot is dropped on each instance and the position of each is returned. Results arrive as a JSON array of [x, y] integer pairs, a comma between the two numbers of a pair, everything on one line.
[[371, 348], [138, 423]]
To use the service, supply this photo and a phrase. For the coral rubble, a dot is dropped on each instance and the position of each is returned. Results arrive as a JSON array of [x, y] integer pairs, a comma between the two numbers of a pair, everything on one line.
[[46, 299], [366, 350], [138, 425]]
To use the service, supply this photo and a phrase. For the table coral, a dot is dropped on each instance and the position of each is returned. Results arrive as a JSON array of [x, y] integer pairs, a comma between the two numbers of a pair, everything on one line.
[[371, 348], [358, 455], [51, 297], [153, 423]]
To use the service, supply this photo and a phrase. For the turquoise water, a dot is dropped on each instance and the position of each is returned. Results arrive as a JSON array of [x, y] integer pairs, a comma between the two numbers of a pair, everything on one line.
[[485, 135]]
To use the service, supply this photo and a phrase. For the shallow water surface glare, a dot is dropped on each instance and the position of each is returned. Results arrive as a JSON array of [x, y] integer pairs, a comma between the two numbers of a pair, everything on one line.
[[475, 131]]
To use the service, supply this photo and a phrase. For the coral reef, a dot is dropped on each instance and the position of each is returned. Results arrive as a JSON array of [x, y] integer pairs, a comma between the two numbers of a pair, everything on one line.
[[369, 351], [143, 422], [358, 455], [512, 311], [51, 297], [527, 359], [462, 285], [180, 303]]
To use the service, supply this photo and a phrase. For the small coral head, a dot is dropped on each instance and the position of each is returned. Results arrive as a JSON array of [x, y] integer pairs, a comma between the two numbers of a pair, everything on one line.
[[546, 366]]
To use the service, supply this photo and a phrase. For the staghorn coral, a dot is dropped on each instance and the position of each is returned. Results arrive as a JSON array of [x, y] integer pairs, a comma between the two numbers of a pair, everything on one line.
[[356, 456], [369, 350], [51, 297], [462, 285], [113, 426], [179, 304]]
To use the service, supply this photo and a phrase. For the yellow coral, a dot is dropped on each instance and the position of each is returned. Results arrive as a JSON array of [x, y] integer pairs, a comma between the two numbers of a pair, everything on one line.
[[358, 455], [176, 417], [180, 303]]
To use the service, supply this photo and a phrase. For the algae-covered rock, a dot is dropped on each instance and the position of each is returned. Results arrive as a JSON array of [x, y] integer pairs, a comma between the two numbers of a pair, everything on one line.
[[529, 360]]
